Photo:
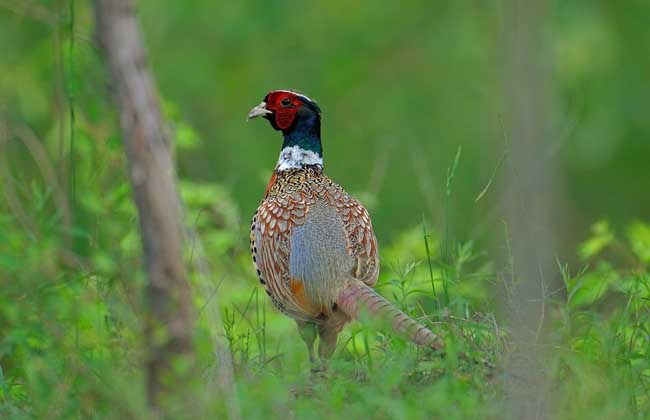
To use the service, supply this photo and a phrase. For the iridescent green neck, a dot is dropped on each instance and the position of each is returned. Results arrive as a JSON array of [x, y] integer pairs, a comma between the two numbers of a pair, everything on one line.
[[302, 145], [305, 134]]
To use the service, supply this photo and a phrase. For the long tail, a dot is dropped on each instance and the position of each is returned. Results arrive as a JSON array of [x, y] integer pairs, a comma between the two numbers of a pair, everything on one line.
[[357, 295]]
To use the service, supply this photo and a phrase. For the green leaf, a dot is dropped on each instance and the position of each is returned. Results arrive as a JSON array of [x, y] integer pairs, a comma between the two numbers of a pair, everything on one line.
[[601, 237], [638, 235]]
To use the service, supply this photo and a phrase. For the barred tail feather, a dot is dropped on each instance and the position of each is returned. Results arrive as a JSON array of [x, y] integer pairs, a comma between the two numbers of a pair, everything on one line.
[[357, 295]]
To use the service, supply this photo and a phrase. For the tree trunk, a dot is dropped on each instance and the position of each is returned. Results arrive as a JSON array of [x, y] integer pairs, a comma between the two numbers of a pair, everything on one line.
[[169, 323], [530, 205]]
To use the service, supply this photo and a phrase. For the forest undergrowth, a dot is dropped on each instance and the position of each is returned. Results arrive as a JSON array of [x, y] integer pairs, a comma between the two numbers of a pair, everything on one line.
[[71, 316]]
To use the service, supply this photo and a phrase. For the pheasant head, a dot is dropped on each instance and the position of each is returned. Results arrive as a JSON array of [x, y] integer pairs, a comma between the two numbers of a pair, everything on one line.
[[298, 117]]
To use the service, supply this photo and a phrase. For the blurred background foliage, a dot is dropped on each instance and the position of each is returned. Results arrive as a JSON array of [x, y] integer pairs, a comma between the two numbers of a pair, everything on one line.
[[402, 87]]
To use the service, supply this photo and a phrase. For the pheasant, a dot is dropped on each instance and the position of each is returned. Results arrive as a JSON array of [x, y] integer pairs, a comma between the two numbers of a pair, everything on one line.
[[313, 245]]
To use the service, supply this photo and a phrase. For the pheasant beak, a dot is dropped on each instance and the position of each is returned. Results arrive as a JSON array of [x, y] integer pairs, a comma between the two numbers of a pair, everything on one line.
[[259, 111]]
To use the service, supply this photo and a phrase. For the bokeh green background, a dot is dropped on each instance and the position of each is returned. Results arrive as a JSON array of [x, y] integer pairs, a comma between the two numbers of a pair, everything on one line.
[[402, 85]]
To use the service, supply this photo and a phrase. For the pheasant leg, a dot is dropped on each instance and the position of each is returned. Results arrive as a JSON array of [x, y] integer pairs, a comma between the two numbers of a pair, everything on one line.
[[328, 336], [307, 331]]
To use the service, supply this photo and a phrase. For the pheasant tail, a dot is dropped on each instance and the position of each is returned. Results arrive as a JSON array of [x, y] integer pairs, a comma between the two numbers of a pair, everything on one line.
[[357, 295]]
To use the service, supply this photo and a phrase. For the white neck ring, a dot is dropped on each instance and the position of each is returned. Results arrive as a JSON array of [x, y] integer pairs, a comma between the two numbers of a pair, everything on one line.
[[295, 157]]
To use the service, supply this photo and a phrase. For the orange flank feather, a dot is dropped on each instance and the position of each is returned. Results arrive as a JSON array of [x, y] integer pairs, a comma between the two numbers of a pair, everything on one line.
[[298, 291]]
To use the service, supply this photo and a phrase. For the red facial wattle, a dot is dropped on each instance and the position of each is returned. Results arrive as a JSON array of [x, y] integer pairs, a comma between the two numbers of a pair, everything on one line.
[[284, 105]]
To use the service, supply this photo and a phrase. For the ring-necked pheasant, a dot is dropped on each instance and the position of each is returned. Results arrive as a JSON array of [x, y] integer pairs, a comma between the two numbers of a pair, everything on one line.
[[313, 245]]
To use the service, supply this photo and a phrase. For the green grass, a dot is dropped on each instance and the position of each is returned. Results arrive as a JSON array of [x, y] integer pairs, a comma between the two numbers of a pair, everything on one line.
[[72, 324]]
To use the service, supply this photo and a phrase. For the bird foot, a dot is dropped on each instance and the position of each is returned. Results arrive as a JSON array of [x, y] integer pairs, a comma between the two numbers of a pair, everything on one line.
[[319, 370]]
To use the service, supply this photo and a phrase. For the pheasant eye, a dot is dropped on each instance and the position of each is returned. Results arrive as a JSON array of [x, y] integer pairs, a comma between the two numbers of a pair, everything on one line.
[[286, 102]]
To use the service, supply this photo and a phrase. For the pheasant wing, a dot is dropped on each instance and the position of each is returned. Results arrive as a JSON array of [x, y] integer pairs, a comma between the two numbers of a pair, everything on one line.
[[361, 240]]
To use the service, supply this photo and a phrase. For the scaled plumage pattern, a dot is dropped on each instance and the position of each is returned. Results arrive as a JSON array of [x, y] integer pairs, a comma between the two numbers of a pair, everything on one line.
[[313, 245]]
